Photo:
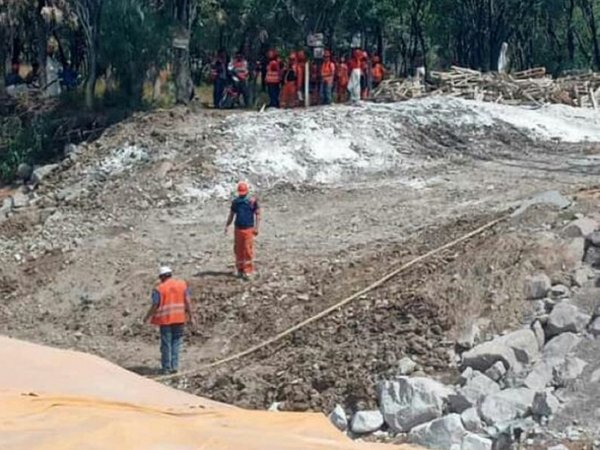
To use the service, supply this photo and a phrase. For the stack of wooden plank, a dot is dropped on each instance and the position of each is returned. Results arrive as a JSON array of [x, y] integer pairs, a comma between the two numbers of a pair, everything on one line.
[[533, 86]]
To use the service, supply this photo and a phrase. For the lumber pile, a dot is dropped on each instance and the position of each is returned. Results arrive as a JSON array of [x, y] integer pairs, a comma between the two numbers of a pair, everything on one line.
[[533, 86]]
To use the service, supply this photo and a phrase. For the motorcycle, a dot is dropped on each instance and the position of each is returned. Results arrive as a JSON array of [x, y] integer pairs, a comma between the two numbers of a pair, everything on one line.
[[232, 94]]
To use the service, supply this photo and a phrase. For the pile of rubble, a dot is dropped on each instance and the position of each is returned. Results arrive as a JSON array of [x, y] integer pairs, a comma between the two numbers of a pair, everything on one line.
[[510, 387], [532, 86]]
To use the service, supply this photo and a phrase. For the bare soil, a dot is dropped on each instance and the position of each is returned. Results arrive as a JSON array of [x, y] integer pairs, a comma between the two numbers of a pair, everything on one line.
[[77, 273]]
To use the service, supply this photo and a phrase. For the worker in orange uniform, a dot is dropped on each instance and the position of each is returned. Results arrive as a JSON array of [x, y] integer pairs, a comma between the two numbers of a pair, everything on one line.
[[343, 78], [273, 79], [289, 96], [239, 68], [355, 83], [171, 309], [365, 74], [377, 71], [327, 78], [246, 212], [300, 69]]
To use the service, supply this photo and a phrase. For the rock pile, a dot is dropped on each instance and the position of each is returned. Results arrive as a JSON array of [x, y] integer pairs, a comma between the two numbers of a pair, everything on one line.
[[509, 386]]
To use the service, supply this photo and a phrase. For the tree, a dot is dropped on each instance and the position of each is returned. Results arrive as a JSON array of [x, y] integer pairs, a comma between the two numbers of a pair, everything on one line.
[[133, 40], [183, 13], [88, 13]]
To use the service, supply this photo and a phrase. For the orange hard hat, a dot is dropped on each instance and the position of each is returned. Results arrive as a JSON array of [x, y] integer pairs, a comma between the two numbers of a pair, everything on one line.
[[242, 188]]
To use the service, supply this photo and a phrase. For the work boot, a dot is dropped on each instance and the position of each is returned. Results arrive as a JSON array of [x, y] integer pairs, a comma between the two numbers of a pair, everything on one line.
[[245, 277]]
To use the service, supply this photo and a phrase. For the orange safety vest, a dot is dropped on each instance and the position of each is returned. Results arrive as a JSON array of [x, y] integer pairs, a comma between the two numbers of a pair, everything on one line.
[[273, 75], [377, 73], [241, 69], [171, 309], [327, 72], [343, 76]]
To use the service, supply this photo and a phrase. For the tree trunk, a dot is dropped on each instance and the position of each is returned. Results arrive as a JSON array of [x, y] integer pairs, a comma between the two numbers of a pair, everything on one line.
[[183, 76], [90, 84], [184, 14], [41, 43], [2, 65], [594, 32]]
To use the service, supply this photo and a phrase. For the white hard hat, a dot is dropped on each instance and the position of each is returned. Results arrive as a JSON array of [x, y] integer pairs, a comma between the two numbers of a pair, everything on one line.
[[165, 270]]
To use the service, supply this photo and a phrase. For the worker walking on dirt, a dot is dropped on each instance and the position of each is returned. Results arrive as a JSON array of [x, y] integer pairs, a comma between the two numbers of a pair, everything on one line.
[[246, 212], [171, 309]]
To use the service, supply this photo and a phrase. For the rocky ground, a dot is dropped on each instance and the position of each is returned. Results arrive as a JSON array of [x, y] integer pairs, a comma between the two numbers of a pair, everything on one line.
[[348, 195]]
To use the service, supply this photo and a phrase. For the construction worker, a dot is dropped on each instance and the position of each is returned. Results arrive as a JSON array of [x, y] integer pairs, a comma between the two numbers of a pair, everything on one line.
[[218, 75], [171, 309], [354, 85], [289, 96], [300, 69], [365, 74], [239, 68], [343, 78], [246, 212], [273, 79], [377, 71], [327, 78]]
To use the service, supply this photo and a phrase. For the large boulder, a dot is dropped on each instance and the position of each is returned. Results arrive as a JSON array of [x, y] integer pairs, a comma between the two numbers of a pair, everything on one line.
[[506, 405], [496, 372], [537, 286], [406, 366], [580, 228], [19, 200], [473, 441], [568, 370], [471, 420], [408, 402], [485, 355], [472, 393], [42, 172], [366, 422], [338, 418], [444, 433], [560, 346], [524, 343], [542, 374], [581, 275], [24, 172], [566, 317]]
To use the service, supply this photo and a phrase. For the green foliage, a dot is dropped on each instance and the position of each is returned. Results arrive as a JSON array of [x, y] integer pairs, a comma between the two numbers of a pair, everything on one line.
[[134, 38], [22, 142]]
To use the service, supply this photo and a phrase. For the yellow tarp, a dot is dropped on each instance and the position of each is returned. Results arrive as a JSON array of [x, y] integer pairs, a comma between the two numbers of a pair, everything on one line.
[[54, 399]]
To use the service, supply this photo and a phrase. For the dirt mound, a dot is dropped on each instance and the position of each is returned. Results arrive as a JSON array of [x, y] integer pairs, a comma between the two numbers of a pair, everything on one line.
[[80, 257]]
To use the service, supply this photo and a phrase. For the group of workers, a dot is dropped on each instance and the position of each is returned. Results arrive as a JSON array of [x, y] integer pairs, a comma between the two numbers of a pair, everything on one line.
[[171, 298], [284, 79]]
